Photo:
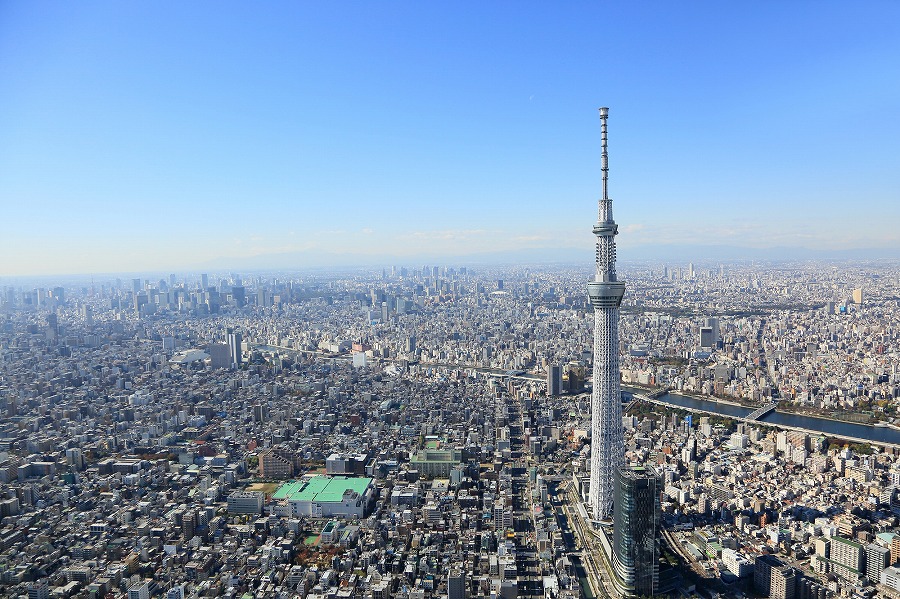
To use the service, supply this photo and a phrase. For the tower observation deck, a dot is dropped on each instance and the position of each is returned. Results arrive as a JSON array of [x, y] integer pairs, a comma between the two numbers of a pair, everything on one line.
[[605, 291]]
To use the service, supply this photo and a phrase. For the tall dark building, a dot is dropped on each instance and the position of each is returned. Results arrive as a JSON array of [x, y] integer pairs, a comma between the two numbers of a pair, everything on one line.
[[554, 380], [239, 295], [260, 413], [456, 584], [635, 521]]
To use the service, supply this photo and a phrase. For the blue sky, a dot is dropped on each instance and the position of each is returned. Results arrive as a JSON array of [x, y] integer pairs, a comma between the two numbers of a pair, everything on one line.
[[169, 135]]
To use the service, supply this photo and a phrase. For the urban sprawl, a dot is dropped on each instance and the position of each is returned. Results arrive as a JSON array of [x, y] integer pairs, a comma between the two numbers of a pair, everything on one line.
[[424, 432]]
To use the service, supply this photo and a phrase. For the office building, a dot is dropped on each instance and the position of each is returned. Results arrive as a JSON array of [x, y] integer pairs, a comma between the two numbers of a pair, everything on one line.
[[219, 355], [234, 348], [435, 463], [456, 584], [245, 502], [239, 295], [38, 590], [260, 413], [713, 323], [706, 337], [605, 291], [554, 380], [635, 522]]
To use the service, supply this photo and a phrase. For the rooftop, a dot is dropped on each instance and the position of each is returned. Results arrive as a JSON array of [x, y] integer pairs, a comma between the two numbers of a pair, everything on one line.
[[322, 488]]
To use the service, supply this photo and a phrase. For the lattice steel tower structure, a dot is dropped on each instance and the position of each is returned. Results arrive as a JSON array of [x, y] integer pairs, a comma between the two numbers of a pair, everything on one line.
[[605, 291]]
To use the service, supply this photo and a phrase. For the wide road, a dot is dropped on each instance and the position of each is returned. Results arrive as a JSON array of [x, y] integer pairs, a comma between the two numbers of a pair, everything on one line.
[[528, 569]]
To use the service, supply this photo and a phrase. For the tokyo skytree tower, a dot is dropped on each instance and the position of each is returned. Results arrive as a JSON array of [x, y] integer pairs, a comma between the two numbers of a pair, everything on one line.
[[605, 291]]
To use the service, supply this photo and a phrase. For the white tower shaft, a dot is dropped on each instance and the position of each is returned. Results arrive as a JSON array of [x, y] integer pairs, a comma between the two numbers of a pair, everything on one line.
[[607, 439]]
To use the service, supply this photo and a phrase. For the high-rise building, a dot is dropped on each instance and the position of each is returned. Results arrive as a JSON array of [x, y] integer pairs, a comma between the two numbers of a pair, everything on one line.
[[605, 291], [234, 347], [239, 295], [709, 333], [877, 559], [260, 413], [848, 558], [52, 325], [456, 584], [219, 355], [189, 524], [75, 458], [714, 324], [771, 578], [635, 521], [275, 463], [554, 380]]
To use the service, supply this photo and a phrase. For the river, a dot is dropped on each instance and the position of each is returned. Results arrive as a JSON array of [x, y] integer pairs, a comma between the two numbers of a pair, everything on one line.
[[831, 428]]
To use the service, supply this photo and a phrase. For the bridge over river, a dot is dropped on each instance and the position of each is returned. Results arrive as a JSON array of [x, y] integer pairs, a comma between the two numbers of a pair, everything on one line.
[[886, 435]]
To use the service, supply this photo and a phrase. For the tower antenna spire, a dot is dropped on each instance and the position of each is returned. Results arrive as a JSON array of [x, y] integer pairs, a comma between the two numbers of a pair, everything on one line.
[[605, 291], [604, 159]]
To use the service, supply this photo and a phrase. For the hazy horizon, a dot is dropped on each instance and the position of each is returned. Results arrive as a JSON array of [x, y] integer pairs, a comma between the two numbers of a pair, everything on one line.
[[660, 255]]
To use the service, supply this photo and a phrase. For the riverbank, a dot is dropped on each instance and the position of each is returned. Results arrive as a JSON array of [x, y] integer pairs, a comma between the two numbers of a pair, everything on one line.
[[646, 390], [797, 411], [883, 436]]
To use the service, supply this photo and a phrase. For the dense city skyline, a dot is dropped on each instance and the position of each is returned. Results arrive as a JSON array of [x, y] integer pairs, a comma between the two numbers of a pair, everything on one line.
[[425, 432], [163, 137]]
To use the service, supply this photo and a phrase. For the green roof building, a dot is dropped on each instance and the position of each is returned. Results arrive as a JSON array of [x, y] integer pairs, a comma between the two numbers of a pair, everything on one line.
[[323, 496]]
